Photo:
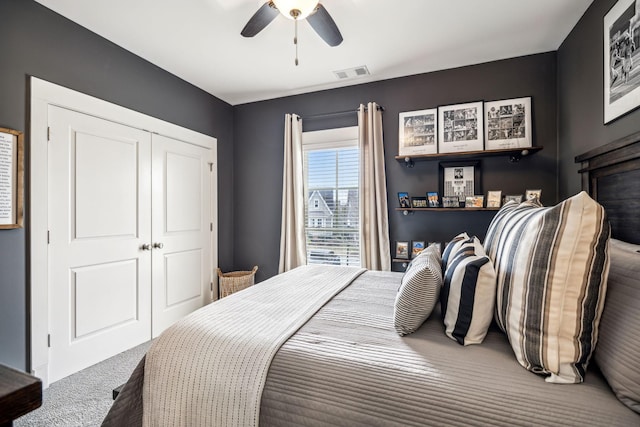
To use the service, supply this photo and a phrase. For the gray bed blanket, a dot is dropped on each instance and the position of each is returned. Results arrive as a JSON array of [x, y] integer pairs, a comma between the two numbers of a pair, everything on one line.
[[347, 367]]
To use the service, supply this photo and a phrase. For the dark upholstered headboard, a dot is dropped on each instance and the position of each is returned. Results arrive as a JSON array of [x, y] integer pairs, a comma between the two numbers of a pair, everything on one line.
[[611, 175]]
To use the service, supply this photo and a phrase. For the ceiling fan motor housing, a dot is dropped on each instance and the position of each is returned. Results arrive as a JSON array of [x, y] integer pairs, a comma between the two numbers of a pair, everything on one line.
[[296, 9]]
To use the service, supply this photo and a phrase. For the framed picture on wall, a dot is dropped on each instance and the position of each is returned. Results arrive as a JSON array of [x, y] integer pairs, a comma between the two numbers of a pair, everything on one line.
[[460, 179], [508, 124], [621, 37], [460, 128], [11, 178], [418, 132]]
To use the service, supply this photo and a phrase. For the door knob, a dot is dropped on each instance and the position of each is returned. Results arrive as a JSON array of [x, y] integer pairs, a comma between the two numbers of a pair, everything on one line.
[[158, 245], [146, 247]]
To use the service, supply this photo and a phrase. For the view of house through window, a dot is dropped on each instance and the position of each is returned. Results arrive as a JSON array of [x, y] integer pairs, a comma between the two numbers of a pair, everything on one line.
[[332, 218]]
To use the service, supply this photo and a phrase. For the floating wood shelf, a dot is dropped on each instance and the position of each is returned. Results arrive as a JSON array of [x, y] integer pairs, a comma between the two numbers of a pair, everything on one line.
[[514, 154], [411, 210]]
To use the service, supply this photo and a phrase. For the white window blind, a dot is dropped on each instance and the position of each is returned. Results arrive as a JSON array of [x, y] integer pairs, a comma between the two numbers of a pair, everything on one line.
[[332, 196]]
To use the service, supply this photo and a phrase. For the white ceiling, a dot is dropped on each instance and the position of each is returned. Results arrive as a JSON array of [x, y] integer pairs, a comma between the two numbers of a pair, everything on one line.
[[200, 41]]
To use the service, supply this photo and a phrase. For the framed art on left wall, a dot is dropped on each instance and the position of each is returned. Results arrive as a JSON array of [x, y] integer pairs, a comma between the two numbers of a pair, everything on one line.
[[11, 178]]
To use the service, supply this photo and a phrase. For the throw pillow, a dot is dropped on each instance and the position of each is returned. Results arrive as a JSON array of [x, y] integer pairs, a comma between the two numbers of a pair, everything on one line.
[[418, 291], [619, 342], [468, 293], [452, 246], [552, 265]]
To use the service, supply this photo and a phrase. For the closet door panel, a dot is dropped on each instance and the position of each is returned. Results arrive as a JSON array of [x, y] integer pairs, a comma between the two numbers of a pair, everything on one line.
[[99, 220], [181, 230]]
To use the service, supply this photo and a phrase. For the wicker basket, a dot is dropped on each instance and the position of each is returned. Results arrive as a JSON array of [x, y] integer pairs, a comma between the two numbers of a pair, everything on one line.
[[235, 281]]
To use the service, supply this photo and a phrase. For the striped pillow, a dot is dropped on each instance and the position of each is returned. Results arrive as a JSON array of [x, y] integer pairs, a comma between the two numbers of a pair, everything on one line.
[[452, 246], [418, 291], [552, 266], [468, 293]]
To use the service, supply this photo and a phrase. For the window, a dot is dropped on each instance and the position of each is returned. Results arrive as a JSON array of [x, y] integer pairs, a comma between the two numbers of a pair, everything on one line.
[[331, 173]]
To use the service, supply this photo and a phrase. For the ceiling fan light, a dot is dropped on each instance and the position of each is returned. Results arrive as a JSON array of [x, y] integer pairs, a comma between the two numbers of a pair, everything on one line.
[[306, 7]]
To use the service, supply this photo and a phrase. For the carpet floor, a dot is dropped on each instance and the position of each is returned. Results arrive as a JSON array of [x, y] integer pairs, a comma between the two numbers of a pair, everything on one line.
[[84, 398]]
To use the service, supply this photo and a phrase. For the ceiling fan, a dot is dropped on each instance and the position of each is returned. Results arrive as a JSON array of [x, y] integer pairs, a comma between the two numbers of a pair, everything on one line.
[[311, 10]]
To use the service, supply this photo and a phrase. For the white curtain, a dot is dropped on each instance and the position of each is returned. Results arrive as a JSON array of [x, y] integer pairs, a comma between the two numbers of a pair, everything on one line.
[[374, 216], [293, 251]]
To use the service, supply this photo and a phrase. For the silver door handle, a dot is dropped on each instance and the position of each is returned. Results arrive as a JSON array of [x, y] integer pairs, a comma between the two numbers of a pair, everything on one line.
[[158, 245], [146, 247]]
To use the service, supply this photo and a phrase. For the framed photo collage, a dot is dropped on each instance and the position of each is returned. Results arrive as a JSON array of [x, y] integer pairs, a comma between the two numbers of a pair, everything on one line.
[[473, 126]]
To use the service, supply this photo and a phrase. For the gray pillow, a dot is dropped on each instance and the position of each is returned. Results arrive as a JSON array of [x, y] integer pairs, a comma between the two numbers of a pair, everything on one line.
[[618, 349], [418, 291]]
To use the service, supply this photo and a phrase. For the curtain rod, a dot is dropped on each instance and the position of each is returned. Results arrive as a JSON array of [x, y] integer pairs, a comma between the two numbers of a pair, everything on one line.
[[337, 113]]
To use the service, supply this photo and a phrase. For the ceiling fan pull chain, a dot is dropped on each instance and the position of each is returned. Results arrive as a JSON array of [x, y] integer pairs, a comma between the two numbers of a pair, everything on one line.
[[295, 38]]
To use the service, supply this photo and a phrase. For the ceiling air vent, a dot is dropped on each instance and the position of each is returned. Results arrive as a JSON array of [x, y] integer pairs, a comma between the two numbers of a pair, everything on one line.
[[352, 72]]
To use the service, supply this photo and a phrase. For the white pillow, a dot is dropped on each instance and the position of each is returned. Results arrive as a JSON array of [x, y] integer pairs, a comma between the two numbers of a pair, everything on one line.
[[418, 291]]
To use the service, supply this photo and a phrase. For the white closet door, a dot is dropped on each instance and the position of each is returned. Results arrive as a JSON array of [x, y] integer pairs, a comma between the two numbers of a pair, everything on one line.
[[99, 220], [181, 270]]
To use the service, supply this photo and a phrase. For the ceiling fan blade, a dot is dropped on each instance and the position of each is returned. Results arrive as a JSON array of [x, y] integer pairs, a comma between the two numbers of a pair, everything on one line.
[[324, 25], [260, 19]]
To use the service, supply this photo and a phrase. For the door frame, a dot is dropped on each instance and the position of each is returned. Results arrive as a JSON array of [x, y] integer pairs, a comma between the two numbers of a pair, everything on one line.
[[43, 94]]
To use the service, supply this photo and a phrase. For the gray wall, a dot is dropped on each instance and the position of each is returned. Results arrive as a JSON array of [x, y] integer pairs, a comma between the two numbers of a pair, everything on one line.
[[259, 138], [37, 42], [581, 98]]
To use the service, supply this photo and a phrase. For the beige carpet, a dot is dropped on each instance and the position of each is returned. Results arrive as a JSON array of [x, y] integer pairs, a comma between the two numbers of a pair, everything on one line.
[[84, 398]]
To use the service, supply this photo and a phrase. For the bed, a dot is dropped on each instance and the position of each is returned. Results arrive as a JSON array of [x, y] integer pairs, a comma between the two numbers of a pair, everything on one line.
[[347, 366]]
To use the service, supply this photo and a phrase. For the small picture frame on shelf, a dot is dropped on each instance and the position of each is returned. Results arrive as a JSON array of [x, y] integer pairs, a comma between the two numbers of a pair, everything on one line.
[[450, 202], [476, 201], [402, 250], [512, 198], [418, 132], [403, 199], [460, 128], [533, 194], [434, 200], [419, 202], [494, 198], [508, 124], [417, 246], [460, 179]]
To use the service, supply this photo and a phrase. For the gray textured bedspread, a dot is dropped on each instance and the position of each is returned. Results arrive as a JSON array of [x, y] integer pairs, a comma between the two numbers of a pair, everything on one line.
[[348, 367]]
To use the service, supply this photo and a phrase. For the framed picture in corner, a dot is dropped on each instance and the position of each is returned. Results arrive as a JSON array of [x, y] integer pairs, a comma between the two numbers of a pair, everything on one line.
[[460, 128], [621, 88], [508, 124], [418, 132]]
